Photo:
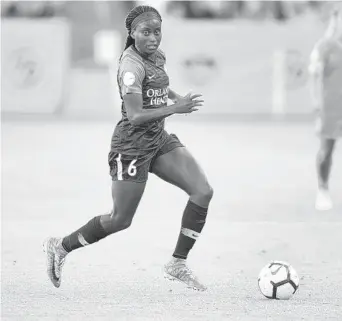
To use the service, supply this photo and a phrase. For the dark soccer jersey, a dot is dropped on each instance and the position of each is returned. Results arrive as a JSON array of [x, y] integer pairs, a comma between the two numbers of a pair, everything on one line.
[[146, 76]]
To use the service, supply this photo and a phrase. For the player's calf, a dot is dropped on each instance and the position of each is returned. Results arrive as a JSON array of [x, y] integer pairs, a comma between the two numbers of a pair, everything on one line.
[[324, 162], [90, 233], [96, 229], [193, 221]]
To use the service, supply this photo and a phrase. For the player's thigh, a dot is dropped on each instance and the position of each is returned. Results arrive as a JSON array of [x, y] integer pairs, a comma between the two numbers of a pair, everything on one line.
[[126, 197], [181, 169]]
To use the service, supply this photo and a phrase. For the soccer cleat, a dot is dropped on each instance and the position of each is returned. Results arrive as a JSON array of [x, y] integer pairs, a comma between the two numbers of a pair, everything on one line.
[[55, 259], [323, 200], [177, 269]]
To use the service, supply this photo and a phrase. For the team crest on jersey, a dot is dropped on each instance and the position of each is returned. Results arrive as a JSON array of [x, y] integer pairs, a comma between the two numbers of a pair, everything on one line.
[[128, 78]]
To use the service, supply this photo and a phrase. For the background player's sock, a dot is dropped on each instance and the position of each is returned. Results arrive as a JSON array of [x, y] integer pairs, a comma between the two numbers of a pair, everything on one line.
[[323, 164], [87, 234], [193, 220]]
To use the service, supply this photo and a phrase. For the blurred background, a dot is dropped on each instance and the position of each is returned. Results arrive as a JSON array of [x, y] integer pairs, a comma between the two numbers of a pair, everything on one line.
[[60, 103], [248, 58]]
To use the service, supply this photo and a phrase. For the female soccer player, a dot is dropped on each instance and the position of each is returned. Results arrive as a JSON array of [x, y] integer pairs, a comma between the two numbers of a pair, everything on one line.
[[141, 145], [326, 69]]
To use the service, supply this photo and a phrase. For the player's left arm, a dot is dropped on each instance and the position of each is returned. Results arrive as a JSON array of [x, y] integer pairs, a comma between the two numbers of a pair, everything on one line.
[[174, 96]]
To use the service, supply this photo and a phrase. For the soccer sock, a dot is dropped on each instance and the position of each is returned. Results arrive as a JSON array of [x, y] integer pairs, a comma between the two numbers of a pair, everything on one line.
[[87, 234], [193, 220], [324, 166]]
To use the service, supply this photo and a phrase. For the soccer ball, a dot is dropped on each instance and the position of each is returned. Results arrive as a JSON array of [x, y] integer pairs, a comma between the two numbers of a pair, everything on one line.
[[278, 280]]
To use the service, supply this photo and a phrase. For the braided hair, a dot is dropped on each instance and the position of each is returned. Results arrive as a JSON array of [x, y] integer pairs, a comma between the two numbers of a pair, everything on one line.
[[135, 12]]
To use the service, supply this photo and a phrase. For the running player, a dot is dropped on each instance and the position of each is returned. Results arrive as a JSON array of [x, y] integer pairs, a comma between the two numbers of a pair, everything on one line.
[[141, 145], [326, 70]]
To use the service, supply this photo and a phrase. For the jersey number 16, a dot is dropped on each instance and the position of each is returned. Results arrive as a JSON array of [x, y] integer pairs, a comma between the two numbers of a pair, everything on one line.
[[132, 169]]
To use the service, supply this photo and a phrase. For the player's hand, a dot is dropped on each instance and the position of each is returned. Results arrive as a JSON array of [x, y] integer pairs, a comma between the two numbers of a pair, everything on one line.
[[188, 103]]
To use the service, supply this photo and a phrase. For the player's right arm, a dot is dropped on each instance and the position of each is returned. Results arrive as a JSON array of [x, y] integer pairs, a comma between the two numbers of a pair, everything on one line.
[[131, 77], [316, 69]]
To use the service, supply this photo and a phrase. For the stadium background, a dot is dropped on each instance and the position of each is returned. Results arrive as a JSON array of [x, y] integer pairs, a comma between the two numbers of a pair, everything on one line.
[[254, 137], [262, 45]]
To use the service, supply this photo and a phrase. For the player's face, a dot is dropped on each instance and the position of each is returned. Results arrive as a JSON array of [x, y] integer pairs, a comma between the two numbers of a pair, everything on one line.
[[147, 36]]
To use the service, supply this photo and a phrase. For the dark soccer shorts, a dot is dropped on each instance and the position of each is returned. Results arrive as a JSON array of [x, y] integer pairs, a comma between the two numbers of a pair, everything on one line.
[[135, 169]]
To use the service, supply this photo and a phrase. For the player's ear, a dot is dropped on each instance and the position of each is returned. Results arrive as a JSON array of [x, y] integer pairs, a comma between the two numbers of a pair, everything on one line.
[[133, 33]]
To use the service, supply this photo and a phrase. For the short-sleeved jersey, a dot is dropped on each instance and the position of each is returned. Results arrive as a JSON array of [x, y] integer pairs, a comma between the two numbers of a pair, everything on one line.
[[326, 57], [138, 74]]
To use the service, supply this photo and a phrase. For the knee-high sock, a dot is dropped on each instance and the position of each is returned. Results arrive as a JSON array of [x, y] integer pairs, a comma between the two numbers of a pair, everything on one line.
[[90, 233], [193, 221]]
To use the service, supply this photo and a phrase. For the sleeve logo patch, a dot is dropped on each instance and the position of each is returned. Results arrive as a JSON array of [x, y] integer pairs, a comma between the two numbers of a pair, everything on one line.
[[128, 79]]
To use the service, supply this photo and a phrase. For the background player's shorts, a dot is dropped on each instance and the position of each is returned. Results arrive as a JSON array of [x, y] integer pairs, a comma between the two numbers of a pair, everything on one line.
[[328, 126], [133, 169]]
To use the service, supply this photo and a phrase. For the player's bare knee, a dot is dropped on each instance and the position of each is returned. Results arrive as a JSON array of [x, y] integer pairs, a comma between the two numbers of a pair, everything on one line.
[[205, 193], [121, 223], [117, 222], [209, 192], [124, 224]]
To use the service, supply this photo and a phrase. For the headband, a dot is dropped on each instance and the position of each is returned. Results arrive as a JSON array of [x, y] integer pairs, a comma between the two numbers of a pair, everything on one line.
[[145, 16]]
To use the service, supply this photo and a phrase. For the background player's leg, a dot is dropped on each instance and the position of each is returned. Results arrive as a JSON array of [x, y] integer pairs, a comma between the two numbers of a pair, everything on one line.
[[126, 197], [324, 162], [179, 168]]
